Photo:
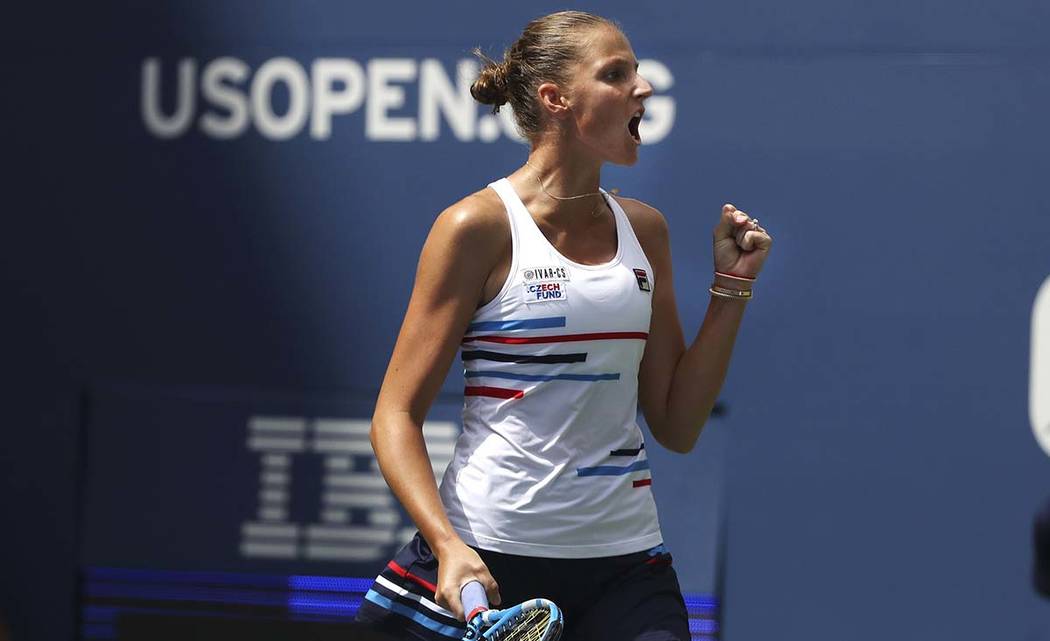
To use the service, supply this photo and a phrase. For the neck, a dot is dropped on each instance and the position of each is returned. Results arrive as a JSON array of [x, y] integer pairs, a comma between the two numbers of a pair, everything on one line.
[[562, 175], [550, 179]]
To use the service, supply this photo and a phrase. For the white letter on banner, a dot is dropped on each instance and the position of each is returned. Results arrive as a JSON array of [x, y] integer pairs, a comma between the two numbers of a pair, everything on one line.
[[1039, 384], [277, 439], [185, 95], [659, 110], [346, 489], [217, 92], [436, 93], [326, 101], [292, 74], [383, 96]]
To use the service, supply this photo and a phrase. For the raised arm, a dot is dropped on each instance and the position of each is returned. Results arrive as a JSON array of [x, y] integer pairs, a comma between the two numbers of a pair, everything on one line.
[[464, 245], [678, 385]]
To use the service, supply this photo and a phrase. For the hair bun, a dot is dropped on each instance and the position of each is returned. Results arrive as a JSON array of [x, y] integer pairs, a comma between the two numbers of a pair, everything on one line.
[[491, 86]]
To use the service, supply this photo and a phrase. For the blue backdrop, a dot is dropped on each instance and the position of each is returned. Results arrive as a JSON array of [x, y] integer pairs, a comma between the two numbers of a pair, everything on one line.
[[230, 199]]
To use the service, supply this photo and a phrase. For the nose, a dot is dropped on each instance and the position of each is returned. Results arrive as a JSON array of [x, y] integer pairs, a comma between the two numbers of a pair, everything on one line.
[[643, 89]]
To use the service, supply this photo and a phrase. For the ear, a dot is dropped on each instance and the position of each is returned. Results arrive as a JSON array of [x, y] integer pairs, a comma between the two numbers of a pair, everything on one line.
[[553, 101]]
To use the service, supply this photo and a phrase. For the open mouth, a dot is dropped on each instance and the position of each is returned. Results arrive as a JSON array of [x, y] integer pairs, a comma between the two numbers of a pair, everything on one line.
[[632, 127]]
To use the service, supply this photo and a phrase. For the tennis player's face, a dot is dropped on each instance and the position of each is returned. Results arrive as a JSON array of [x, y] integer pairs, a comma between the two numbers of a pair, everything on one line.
[[606, 95]]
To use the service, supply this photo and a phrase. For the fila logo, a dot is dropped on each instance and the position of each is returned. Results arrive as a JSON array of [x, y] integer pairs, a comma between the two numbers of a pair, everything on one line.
[[552, 272], [643, 280]]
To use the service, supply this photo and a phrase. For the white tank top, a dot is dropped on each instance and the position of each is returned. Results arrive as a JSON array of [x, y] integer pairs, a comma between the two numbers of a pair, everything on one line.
[[551, 461]]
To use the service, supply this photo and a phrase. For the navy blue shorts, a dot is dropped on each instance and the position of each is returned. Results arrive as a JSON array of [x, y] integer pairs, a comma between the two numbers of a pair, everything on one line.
[[634, 597]]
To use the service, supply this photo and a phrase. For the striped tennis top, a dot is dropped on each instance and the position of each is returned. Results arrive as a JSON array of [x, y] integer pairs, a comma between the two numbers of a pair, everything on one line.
[[551, 461]]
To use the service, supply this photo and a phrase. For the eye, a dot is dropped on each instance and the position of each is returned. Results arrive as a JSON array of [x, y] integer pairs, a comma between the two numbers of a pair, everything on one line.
[[615, 75]]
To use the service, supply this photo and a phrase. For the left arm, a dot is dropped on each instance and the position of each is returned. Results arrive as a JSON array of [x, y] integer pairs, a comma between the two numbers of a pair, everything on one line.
[[678, 384]]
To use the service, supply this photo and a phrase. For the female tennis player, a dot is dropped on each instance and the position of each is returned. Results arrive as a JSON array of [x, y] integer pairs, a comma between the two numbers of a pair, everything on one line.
[[561, 298]]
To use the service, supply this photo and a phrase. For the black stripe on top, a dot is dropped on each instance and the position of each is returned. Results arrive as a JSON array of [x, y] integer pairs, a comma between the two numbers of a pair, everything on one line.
[[523, 358], [628, 452]]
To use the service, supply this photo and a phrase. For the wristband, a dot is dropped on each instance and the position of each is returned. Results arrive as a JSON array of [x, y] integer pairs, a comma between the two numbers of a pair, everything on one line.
[[735, 294], [746, 279]]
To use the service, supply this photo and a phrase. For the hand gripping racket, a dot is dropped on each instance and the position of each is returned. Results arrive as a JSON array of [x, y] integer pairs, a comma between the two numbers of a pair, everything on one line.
[[533, 620]]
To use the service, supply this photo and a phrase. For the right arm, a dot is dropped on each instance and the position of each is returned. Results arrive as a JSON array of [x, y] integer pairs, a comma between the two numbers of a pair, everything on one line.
[[461, 251]]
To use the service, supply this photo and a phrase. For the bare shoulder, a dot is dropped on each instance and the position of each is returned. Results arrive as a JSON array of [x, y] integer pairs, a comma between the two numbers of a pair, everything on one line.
[[648, 222], [478, 218]]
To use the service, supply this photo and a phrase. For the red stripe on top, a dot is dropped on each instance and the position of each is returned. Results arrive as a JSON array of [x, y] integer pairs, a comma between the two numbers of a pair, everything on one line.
[[642, 482], [566, 338], [494, 392], [412, 577]]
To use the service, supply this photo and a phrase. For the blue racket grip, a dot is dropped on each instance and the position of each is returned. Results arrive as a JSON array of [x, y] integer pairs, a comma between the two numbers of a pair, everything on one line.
[[474, 600]]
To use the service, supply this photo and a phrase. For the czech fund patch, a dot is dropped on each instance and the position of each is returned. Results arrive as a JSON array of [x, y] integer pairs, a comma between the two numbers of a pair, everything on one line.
[[545, 291]]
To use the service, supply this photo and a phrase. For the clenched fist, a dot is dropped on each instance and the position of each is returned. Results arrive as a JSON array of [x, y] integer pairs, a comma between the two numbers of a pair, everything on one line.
[[741, 245]]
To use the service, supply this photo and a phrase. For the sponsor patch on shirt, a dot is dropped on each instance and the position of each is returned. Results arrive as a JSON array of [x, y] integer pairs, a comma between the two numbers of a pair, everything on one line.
[[549, 272], [545, 291], [643, 280]]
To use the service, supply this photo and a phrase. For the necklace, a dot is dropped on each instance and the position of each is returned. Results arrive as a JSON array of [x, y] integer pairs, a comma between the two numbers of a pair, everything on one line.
[[544, 189]]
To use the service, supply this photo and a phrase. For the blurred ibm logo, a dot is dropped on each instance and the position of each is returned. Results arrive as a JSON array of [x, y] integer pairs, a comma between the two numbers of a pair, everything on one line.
[[1039, 383], [359, 518], [233, 98]]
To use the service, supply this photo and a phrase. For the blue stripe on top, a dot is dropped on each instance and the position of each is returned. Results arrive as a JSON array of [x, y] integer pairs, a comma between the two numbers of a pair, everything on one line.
[[418, 617], [615, 376], [524, 323], [612, 470]]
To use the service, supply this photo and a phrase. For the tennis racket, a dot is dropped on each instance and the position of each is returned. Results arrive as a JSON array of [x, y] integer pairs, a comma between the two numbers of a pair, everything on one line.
[[533, 620]]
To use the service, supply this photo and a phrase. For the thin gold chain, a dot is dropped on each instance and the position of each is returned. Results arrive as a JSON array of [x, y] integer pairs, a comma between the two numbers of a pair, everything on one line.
[[540, 183]]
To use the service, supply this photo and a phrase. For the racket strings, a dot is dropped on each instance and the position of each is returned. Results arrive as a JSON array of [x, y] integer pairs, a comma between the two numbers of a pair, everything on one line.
[[527, 626]]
